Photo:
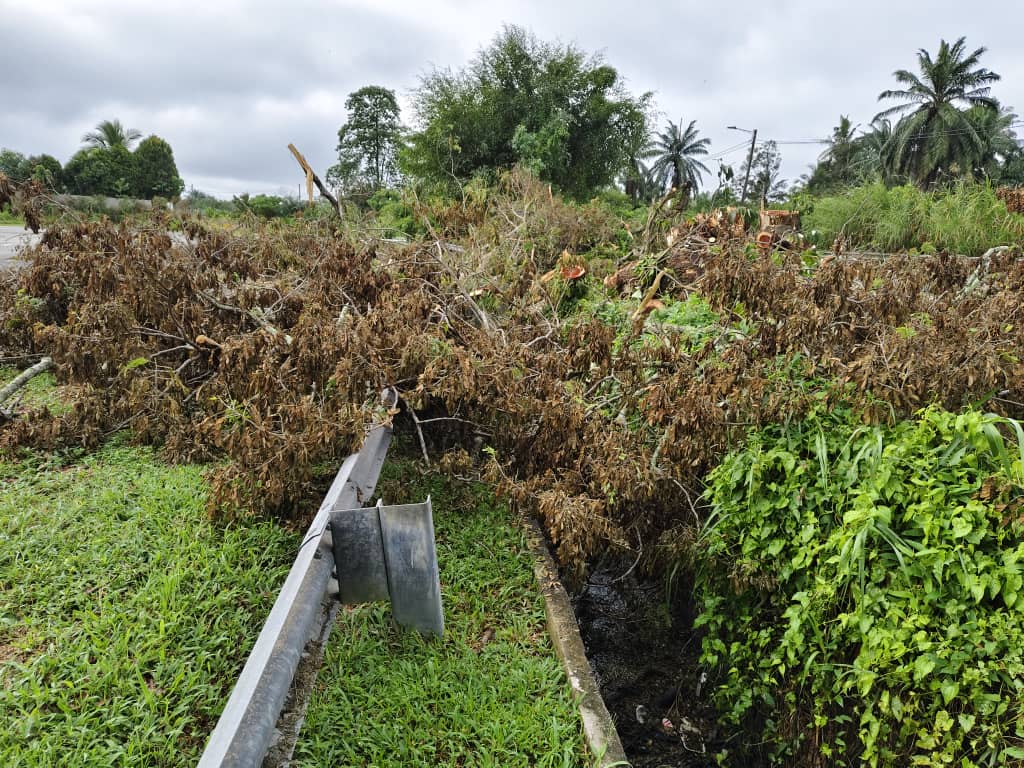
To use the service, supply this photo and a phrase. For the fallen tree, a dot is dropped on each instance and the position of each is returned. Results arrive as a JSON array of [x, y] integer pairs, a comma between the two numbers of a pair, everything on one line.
[[18, 382], [267, 345]]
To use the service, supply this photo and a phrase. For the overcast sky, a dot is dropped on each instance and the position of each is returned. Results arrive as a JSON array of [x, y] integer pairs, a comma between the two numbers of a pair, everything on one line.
[[230, 82]]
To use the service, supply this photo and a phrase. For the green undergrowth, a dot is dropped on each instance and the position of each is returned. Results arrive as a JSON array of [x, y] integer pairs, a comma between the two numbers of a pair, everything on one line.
[[862, 590], [967, 219], [491, 693], [8, 218], [125, 615]]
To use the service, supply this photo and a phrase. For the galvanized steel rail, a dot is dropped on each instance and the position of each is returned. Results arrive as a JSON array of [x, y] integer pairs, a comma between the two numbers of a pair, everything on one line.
[[247, 725]]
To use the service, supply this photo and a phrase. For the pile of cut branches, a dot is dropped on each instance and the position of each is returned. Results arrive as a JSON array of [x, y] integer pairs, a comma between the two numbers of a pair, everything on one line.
[[268, 346], [23, 199]]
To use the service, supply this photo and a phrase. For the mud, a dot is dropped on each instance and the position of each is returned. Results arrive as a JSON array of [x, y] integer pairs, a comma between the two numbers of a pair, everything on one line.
[[645, 653]]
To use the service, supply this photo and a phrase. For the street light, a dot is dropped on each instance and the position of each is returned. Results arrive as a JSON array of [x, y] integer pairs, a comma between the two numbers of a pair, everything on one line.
[[750, 158]]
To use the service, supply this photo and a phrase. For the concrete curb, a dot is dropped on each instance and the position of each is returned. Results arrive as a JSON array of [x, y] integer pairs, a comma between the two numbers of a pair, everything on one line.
[[598, 728]]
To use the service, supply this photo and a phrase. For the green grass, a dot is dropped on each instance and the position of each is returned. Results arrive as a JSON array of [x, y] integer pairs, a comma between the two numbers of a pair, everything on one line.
[[967, 219], [6, 217], [125, 615], [492, 693], [41, 391]]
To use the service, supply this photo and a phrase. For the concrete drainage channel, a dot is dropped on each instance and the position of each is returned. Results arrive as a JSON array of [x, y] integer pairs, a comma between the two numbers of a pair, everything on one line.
[[598, 727], [263, 717]]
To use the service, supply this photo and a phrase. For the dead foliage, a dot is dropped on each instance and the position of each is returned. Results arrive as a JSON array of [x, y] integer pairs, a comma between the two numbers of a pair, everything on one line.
[[267, 347], [1013, 197], [23, 199]]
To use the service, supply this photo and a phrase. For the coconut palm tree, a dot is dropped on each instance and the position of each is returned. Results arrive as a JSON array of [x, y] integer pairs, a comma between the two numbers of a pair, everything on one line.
[[840, 144], [998, 140], [676, 154], [869, 159], [834, 169], [937, 134], [109, 134]]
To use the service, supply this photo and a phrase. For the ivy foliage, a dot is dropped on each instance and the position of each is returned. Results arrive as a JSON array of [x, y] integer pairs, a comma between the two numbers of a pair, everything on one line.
[[863, 590]]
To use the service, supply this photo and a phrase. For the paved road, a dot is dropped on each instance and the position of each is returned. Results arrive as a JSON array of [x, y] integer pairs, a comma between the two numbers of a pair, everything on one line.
[[12, 240]]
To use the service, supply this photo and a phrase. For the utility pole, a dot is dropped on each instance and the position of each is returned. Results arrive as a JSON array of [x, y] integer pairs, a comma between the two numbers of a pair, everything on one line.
[[750, 158]]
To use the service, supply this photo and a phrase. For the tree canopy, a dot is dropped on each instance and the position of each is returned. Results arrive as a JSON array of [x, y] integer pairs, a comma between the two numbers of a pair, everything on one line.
[[44, 168], [100, 171], [368, 141], [110, 133], [107, 166], [937, 137], [547, 106], [155, 172]]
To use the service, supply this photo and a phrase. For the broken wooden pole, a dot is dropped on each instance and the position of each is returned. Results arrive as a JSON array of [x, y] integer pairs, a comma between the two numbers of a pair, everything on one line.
[[312, 178]]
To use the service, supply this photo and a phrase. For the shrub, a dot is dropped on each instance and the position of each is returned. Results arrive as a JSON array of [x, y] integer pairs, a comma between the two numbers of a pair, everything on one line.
[[268, 206], [863, 592], [967, 219]]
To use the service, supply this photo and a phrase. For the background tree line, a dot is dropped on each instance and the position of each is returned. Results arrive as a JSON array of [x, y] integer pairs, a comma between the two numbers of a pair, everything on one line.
[[949, 127], [569, 118], [107, 165]]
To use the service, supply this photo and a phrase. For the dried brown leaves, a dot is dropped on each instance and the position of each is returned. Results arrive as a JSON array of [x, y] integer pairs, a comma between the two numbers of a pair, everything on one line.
[[269, 348]]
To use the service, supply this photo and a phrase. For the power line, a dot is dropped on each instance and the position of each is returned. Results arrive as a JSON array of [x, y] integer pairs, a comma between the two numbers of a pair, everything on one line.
[[724, 152]]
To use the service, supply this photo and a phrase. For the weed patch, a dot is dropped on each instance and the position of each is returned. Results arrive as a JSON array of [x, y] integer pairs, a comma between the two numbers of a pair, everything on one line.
[[863, 591], [967, 219]]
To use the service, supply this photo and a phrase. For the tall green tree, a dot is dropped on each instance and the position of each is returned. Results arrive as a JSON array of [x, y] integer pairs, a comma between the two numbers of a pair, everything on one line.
[[836, 167], [154, 170], [998, 142], [99, 171], [46, 169], [13, 165], [547, 106], [871, 154], [109, 134], [368, 142], [676, 156], [935, 137]]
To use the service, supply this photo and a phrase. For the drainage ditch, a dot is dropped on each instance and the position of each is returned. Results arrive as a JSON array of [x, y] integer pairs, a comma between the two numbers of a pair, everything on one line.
[[646, 656]]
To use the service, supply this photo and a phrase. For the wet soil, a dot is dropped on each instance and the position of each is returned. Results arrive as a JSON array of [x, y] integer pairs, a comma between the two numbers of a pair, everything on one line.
[[645, 654]]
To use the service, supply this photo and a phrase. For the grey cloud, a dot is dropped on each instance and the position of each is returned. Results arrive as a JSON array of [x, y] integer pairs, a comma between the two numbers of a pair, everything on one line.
[[229, 84]]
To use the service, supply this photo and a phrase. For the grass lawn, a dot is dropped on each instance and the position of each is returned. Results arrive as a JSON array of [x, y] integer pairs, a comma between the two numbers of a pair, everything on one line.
[[125, 615], [492, 693]]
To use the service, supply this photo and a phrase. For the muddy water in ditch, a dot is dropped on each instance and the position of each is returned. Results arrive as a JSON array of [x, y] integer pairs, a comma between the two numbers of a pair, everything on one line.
[[645, 654]]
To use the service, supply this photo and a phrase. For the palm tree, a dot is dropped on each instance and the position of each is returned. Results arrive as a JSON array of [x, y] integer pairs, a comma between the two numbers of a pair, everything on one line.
[[109, 134], [869, 159], [840, 144], [998, 140], [637, 176], [937, 134], [676, 152], [834, 167], [649, 184]]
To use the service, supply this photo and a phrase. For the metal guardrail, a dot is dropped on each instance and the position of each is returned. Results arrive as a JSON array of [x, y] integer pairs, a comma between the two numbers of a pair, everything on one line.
[[247, 725]]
